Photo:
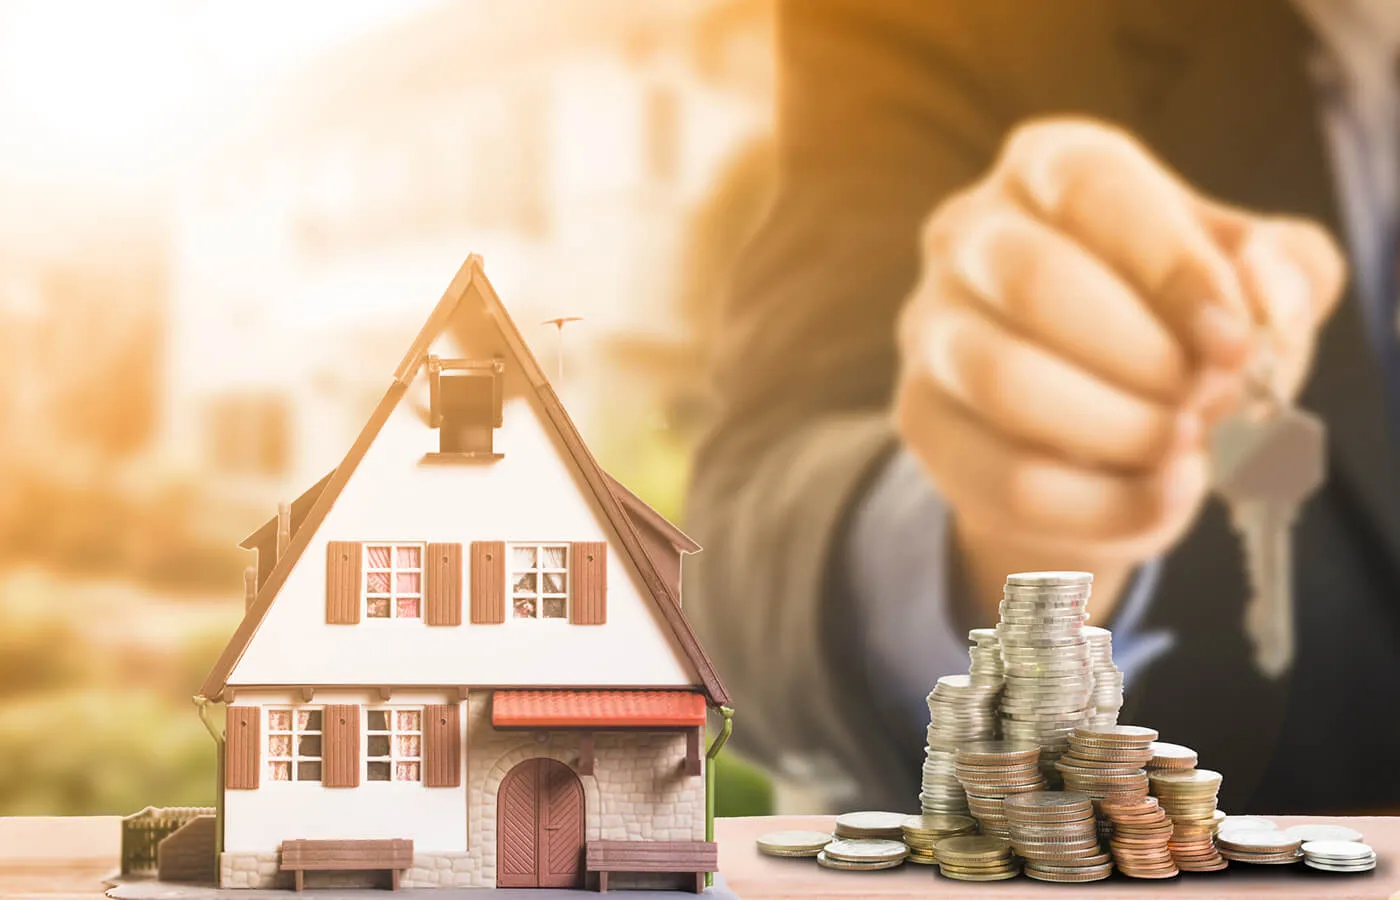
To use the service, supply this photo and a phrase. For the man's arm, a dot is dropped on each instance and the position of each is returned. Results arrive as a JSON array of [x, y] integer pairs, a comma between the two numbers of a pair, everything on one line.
[[884, 112]]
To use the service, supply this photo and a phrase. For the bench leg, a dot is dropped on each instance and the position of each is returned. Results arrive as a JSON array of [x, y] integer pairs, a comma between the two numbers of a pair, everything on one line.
[[699, 882], [396, 879], [300, 882], [602, 882]]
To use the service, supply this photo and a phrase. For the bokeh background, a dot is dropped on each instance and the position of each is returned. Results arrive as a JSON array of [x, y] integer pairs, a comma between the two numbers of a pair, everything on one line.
[[220, 223]]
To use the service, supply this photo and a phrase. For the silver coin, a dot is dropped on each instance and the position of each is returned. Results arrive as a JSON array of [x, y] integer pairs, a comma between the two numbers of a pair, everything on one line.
[[866, 850], [871, 821], [1046, 579], [1335, 851], [1248, 823], [1332, 867]]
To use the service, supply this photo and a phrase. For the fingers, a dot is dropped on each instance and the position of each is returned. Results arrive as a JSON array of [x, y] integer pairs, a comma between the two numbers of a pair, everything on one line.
[[1101, 187], [1292, 273], [1032, 397], [1047, 288], [995, 483]]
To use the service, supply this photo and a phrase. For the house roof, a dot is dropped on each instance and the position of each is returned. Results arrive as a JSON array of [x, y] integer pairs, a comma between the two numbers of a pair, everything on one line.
[[598, 709], [471, 281]]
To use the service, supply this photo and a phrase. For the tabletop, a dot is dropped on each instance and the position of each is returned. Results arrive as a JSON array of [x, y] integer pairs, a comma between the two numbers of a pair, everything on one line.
[[59, 859]]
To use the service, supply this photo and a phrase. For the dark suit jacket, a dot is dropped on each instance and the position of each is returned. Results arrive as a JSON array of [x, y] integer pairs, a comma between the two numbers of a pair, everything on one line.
[[886, 107]]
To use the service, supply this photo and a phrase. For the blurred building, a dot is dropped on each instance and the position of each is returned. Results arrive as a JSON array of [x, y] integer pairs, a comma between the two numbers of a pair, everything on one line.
[[567, 142]]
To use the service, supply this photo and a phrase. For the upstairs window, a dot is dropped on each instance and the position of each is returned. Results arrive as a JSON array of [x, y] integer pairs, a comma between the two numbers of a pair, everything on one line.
[[539, 581], [294, 738], [393, 581], [394, 744]]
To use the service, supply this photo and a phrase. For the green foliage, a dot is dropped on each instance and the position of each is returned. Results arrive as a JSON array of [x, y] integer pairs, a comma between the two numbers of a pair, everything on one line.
[[90, 751], [741, 789]]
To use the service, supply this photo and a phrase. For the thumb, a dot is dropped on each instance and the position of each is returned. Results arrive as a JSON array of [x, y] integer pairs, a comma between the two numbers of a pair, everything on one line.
[[1292, 273]]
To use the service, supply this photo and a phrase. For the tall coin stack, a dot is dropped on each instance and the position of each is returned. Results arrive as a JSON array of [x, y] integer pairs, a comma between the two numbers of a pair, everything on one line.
[[1188, 796], [1054, 831], [960, 711], [1108, 679], [1049, 681]]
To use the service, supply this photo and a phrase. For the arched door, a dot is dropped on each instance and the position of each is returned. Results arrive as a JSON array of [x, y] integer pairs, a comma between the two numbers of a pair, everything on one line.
[[539, 826]]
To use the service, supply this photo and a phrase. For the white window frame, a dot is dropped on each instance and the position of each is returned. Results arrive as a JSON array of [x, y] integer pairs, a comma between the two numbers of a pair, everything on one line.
[[540, 595], [296, 758], [394, 757], [393, 571]]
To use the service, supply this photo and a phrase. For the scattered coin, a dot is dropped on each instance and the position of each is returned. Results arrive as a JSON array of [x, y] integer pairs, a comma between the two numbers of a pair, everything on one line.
[[882, 825], [1339, 856], [922, 833], [793, 843], [859, 854], [1262, 847], [829, 862]]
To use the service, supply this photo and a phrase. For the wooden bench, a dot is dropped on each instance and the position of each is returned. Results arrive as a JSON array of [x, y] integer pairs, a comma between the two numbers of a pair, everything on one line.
[[697, 857], [301, 856]]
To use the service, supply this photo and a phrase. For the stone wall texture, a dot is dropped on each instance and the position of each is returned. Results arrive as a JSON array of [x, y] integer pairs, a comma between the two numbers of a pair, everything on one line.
[[639, 791]]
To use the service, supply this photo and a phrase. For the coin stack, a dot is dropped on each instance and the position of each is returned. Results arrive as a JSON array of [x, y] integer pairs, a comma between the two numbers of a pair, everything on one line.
[[793, 843], [976, 858], [862, 855], [1107, 761], [884, 826], [1339, 856], [960, 710], [1171, 756], [1141, 831], [921, 833], [1261, 847], [1188, 796], [1048, 680], [987, 667], [1107, 698], [992, 771], [1055, 832]]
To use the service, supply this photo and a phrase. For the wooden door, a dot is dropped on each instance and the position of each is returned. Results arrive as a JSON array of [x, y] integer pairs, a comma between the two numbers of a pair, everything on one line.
[[539, 826]]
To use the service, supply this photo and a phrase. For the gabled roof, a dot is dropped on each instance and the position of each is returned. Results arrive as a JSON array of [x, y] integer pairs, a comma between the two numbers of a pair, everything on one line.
[[471, 281]]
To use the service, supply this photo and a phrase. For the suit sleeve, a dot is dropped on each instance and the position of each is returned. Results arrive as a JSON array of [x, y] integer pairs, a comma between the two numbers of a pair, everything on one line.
[[884, 110]]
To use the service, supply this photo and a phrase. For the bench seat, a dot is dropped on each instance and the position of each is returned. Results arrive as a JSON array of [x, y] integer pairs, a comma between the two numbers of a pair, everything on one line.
[[697, 857], [301, 856]]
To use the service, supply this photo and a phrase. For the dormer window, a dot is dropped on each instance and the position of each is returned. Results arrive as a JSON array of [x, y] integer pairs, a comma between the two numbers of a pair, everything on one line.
[[465, 398]]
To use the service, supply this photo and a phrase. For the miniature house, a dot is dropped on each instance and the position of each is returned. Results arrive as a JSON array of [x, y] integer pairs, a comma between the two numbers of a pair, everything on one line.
[[463, 659]]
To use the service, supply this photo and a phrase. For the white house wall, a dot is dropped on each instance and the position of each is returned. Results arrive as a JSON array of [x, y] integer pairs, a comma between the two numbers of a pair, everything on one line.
[[531, 494], [259, 820]]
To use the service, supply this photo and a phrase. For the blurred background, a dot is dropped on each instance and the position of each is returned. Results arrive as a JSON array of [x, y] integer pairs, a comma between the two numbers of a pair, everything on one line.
[[220, 224]]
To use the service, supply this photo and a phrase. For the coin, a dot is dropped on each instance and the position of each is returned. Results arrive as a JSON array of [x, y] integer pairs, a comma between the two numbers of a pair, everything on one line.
[[972, 847], [793, 843], [865, 850], [830, 862], [1171, 756], [1338, 850], [1331, 867], [1050, 579], [870, 824], [1323, 832]]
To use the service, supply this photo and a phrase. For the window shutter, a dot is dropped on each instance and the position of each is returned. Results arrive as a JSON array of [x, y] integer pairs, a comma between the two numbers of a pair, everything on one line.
[[442, 587], [588, 577], [488, 582], [341, 762], [242, 746], [442, 746], [343, 583]]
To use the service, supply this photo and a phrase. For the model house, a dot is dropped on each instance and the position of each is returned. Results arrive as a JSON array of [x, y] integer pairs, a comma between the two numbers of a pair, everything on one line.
[[464, 660]]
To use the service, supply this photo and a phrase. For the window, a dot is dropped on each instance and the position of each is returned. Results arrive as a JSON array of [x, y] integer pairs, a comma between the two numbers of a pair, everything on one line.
[[394, 745], [540, 580], [393, 581], [294, 744]]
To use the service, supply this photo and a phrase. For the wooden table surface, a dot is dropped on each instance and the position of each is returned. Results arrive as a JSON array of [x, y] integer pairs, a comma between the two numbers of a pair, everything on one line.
[[57, 859]]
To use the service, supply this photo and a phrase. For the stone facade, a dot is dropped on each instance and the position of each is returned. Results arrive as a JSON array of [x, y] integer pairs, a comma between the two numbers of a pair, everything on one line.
[[639, 791]]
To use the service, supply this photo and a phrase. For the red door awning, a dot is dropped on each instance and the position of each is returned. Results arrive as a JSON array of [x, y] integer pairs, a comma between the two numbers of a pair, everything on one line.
[[597, 709]]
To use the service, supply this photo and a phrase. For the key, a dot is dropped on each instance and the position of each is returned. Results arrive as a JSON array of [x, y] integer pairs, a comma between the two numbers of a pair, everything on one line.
[[1266, 461]]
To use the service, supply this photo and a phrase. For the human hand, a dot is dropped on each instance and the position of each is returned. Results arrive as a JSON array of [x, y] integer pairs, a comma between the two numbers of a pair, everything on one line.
[[1083, 316]]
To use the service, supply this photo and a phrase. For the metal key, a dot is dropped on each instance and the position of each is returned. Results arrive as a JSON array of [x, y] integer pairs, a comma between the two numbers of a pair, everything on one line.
[[1267, 460]]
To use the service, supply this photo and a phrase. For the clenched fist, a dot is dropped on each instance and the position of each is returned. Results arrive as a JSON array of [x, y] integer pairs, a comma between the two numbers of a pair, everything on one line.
[[1082, 318]]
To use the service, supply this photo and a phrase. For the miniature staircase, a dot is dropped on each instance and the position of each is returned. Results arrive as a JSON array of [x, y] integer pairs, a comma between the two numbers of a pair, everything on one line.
[[188, 853]]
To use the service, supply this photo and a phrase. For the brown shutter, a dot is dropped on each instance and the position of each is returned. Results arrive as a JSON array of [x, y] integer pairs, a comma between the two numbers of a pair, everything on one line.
[[488, 582], [588, 576], [241, 754], [341, 763], [442, 576], [442, 746], [343, 583]]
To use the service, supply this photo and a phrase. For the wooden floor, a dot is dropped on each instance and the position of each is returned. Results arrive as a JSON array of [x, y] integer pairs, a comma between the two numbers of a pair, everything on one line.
[[59, 859]]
